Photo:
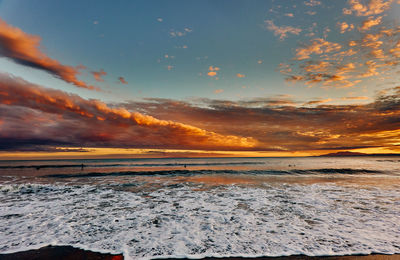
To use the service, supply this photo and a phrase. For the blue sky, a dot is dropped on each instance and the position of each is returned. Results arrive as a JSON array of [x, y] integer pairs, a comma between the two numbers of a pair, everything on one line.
[[271, 76], [132, 38]]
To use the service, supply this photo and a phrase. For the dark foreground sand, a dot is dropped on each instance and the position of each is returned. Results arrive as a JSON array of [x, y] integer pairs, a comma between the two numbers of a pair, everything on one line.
[[59, 253], [71, 253]]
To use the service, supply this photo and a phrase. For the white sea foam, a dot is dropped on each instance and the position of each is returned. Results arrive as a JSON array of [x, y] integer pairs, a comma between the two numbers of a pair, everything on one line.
[[269, 220]]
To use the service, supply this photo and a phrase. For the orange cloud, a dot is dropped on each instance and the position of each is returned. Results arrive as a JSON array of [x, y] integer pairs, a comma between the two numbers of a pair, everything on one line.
[[317, 46], [282, 31], [345, 27], [240, 75], [395, 51], [373, 7], [98, 75], [269, 124], [321, 66], [318, 102], [212, 71], [23, 49], [287, 125], [342, 65], [96, 121], [122, 80], [370, 22], [211, 68]]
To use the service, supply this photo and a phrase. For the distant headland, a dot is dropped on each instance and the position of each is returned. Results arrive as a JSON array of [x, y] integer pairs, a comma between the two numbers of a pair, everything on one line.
[[348, 153]]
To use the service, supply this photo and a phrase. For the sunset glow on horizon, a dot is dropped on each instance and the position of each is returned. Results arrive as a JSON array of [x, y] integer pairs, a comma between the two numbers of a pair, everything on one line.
[[200, 79]]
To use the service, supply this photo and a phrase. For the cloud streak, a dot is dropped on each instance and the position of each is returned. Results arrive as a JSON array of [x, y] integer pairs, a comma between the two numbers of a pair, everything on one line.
[[62, 118], [24, 49], [282, 124], [33, 116]]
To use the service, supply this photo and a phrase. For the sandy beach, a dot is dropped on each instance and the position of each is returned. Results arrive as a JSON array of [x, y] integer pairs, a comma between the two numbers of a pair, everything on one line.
[[61, 253]]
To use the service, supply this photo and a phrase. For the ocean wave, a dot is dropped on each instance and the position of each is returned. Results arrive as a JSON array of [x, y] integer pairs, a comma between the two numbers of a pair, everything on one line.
[[325, 171], [44, 166], [275, 220]]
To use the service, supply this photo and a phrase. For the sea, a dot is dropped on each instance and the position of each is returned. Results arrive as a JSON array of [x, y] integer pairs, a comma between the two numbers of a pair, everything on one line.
[[199, 207]]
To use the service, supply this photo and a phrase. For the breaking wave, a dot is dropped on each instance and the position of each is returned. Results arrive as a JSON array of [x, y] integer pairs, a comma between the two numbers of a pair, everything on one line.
[[179, 221], [345, 171]]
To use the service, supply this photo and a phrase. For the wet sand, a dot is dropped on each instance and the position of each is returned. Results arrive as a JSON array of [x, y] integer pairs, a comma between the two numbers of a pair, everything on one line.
[[304, 257], [59, 253], [72, 253]]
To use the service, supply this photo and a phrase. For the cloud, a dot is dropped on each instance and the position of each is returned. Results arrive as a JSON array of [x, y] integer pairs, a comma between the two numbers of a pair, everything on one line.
[[174, 33], [371, 56], [23, 49], [345, 27], [98, 75], [167, 56], [217, 91], [67, 119], [288, 125], [240, 75], [312, 2], [317, 46], [212, 68], [395, 51], [370, 22], [122, 80], [372, 7], [60, 119], [318, 102], [282, 31], [212, 71], [355, 98]]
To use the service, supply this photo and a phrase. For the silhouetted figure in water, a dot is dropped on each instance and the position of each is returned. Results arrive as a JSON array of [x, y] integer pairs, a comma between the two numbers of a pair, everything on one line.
[[82, 166], [37, 168], [184, 166]]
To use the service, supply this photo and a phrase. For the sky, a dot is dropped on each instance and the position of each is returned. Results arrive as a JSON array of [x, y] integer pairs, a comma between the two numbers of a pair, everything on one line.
[[88, 79]]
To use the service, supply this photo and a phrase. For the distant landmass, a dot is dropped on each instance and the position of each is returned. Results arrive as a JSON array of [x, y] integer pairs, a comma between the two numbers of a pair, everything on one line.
[[347, 153]]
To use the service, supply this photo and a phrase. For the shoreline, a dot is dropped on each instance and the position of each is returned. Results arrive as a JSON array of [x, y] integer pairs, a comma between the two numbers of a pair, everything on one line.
[[305, 257], [73, 253]]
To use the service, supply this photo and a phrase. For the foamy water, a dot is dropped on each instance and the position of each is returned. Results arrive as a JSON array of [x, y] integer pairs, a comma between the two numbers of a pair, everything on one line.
[[256, 212]]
